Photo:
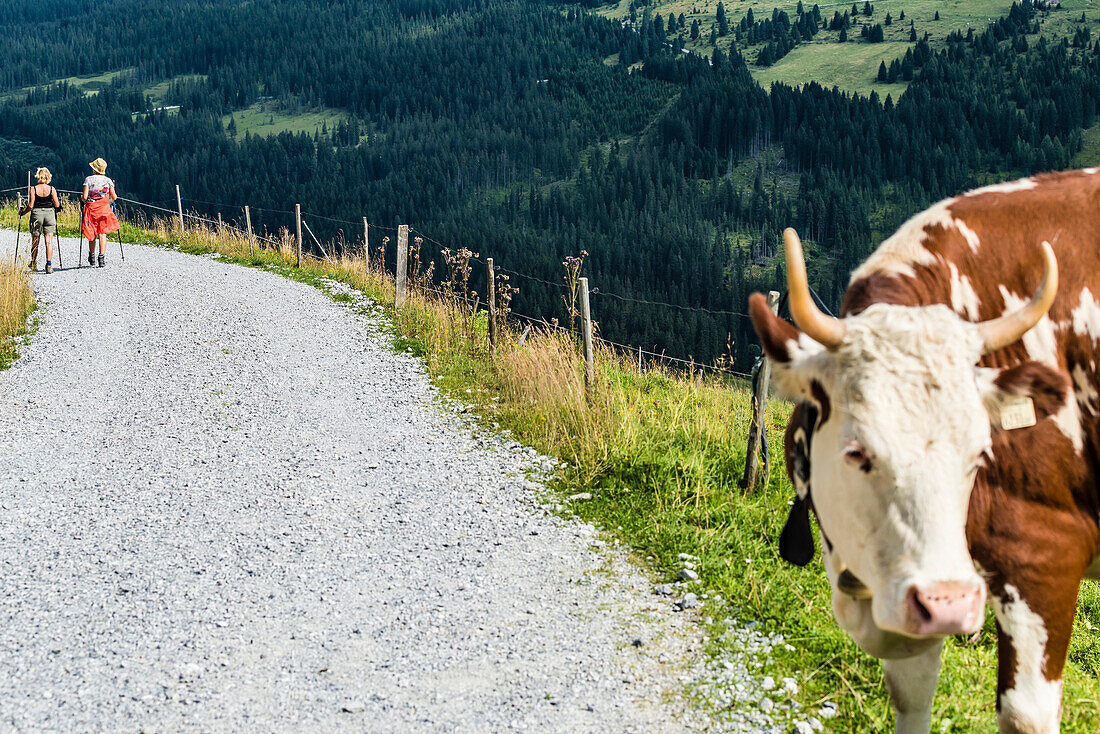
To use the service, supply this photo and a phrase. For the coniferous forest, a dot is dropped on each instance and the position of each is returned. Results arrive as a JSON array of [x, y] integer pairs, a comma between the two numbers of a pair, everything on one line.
[[501, 125]]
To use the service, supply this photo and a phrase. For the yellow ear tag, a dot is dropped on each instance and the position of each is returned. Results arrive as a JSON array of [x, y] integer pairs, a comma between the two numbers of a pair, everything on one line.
[[1017, 412]]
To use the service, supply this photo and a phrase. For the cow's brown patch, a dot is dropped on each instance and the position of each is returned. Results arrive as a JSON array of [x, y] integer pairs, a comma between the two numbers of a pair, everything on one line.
[[817, 392], [1047, 389]]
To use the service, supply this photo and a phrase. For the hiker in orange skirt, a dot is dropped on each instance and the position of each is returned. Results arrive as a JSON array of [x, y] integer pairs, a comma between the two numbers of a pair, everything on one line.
[[99, 218]]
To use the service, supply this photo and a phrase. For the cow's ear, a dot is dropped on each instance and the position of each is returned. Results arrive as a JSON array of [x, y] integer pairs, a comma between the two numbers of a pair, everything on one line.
[[1020, 396], [791, 353], [778, 338]]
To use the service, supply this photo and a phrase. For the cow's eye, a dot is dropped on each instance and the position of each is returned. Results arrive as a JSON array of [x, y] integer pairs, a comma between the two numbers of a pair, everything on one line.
[[857, 457]]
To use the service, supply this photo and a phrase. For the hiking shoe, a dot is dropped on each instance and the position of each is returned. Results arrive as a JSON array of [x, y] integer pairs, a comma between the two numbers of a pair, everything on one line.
[[102, 261], [49, 267], [91, 259]]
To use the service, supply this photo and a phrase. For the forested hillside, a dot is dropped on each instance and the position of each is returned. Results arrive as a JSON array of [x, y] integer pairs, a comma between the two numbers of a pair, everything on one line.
[[506, 126]]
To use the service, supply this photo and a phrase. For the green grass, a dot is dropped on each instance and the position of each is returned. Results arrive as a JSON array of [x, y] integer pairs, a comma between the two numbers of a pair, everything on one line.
[[1089, 154], [87, 83], [661, 456], [269, 118], [157, 92], [851, 66]]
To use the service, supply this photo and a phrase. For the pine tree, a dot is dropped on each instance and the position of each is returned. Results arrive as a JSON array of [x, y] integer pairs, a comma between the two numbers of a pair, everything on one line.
[[867, 9], [695, 29], [882, 71], [907, 66], [844, 35], [912, 34], [875, 35], [937, 16], [887, 20], [895, 71], [723, 22]]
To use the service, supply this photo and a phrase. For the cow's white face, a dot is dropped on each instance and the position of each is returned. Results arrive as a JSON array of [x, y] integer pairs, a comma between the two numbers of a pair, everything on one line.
[[901, 432]]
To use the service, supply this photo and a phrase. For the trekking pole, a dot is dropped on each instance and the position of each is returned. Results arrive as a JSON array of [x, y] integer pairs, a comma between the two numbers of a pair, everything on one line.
[[19, 228], [19, 214], [80, 236], [57, 236], [118, 232]]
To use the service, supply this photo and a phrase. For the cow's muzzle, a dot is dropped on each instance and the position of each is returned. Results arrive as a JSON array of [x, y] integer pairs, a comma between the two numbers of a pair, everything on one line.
[[944, 608]]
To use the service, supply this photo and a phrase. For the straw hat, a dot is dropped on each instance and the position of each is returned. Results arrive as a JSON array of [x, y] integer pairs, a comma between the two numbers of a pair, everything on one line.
[[43, 175], [99, 166]]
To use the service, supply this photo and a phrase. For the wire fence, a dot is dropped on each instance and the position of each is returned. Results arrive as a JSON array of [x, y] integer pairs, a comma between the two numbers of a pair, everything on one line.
[[183, 215]]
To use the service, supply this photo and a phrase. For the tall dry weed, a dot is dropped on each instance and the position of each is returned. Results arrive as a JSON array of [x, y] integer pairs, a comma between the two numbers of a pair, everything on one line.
[[16, 304]]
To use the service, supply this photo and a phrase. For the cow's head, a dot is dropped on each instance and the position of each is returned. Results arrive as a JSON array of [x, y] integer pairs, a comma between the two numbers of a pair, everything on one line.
[[893, 426]]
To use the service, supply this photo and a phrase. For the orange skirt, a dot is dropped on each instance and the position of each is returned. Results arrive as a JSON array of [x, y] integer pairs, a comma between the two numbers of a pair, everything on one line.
[[98, 219]]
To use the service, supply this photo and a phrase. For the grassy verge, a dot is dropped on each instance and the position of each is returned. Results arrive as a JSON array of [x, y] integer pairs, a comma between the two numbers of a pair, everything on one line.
[[16, 305], [661, 456]]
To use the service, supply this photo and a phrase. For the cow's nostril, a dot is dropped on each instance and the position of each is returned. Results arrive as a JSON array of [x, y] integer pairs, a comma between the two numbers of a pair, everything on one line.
[[922, 611]]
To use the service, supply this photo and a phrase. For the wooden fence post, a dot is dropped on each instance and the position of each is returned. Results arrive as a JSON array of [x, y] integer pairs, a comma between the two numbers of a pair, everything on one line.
[[366, 244], [491, 292], [402, 263], [298, 232], [759, 406], [248, 227], [586, 332], [220, 225], [179, 207]]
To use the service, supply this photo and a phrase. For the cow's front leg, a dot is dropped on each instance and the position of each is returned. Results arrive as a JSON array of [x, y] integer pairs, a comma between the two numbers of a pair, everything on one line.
[[1033, 626], [912, 686]]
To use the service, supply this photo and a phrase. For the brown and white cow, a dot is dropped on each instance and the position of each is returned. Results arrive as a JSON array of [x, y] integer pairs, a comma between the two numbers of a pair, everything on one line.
[[946, 436]]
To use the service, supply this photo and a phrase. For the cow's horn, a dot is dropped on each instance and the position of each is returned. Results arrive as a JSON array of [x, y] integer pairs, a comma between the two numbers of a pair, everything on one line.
[[820, 327], [1004, 330]]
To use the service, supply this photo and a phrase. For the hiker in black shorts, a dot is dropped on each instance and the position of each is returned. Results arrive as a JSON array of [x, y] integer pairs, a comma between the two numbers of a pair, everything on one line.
[[43, 204]]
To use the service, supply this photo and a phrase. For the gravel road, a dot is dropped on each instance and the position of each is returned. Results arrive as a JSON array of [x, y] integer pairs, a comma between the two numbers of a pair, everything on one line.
[[228, 505]]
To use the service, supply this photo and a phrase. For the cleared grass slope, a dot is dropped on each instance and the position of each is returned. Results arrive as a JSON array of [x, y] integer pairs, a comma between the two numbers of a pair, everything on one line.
[[853, 66]]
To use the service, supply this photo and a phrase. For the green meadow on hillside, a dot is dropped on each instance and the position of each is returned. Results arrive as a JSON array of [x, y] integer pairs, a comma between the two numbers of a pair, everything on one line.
[[853, 66], [271, 118]]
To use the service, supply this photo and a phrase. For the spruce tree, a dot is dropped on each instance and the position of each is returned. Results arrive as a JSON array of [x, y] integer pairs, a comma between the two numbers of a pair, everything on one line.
[[882, 71], [723, 22]]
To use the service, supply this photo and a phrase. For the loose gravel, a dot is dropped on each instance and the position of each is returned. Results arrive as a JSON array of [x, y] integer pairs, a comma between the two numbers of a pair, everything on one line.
[[229, 505]]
